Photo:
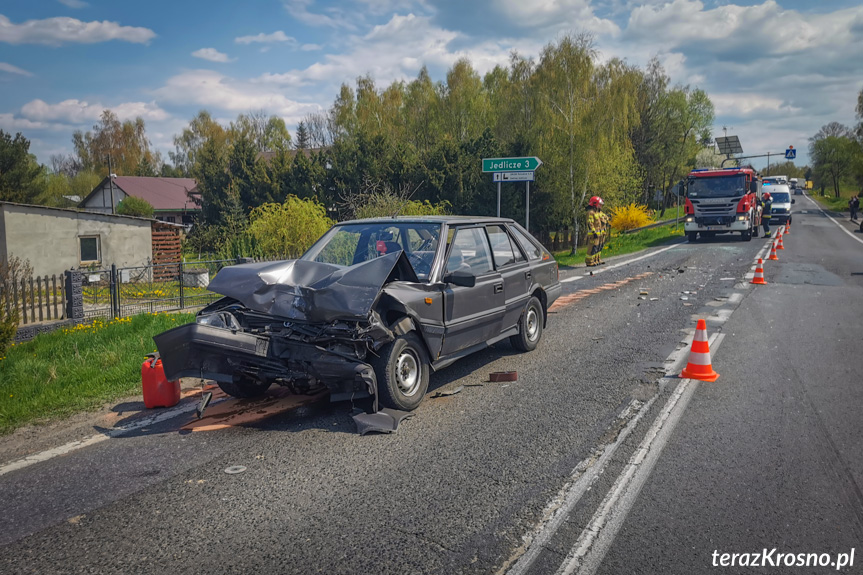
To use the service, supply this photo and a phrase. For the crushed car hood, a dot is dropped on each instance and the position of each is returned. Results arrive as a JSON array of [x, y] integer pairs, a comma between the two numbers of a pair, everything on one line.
[[312, 291]]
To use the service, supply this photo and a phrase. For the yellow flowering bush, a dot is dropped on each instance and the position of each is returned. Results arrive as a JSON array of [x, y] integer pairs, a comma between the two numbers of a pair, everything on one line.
[[630, 216]]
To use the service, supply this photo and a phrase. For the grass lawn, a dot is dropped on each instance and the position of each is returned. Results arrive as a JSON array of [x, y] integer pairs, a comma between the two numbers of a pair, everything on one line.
[[830, 201], [76, 369], [620, 244]]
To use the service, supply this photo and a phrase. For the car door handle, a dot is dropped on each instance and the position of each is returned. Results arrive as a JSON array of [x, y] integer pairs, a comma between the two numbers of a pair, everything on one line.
[[498, 288], [527, 275]]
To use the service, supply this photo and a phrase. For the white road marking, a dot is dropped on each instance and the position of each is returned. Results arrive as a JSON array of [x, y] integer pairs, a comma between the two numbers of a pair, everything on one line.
[[621, 264], [588, 470], [99, 437], [841, 227], [593, 543]]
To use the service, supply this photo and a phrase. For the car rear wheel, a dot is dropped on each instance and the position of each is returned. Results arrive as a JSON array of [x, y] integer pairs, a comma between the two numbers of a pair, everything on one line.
[[692, 236], [402, 372], [529, 327], [245, 387]]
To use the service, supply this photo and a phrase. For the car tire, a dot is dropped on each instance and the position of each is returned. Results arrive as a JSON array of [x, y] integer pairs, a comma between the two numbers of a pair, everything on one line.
[[402, 373], [755, 231], [747, 235], [692, 237], [529, 327], [245, 387]]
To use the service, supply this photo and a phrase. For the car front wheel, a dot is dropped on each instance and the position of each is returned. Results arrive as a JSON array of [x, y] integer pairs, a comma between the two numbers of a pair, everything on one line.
[[402, 373], [529, 327]]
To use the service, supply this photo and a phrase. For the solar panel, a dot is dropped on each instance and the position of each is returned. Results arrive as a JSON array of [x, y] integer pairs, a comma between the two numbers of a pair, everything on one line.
[[729, 145]]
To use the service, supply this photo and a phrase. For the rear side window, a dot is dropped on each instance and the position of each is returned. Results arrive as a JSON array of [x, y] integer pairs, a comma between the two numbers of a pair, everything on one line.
[[530, 248]]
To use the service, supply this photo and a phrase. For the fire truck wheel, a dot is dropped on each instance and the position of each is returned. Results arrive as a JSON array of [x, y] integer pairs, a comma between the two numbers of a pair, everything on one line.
[[755, 231], [747, 235], [692, 236]]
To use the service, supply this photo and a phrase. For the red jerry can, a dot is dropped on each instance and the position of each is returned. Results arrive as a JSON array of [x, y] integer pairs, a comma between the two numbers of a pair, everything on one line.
[[158, 391]]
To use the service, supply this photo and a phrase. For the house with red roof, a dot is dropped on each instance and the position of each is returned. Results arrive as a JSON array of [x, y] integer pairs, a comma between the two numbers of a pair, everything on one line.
[[175, 200]]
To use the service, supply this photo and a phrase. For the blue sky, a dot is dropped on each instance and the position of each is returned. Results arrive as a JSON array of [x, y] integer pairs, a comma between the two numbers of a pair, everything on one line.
[[776, 70]]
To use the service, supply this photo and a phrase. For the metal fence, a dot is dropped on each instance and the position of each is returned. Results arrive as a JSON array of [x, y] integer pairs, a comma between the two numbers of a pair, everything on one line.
[[122, 292]]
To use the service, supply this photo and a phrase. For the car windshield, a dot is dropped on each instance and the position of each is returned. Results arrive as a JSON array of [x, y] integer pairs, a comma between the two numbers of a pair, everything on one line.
[[717, 187], [780, 197], [352, 244]]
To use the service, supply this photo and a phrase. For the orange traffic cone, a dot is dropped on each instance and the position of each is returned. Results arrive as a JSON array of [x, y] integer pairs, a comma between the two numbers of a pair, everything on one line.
[[773, 255], [779, 243], [788, 227], [698, 366], [759, 274]]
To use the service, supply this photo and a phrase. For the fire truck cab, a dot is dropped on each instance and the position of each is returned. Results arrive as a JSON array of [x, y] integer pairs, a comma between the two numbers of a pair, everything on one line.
[[721, 201]]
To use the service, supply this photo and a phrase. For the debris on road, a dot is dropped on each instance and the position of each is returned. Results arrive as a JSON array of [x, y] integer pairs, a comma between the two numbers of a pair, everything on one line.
[[448, 392], [643, 292], [654, 299], [503, 376], [384, 421], [235, 469]]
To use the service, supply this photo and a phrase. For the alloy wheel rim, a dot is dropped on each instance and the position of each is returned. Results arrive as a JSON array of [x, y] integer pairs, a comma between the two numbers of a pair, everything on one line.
[[408, 373]]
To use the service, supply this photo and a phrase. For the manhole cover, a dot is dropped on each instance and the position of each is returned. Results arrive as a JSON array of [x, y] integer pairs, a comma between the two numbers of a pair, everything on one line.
[[234, 469]]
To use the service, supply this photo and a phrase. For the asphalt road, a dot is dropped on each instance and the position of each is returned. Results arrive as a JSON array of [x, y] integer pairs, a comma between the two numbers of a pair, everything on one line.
[[769, 455]]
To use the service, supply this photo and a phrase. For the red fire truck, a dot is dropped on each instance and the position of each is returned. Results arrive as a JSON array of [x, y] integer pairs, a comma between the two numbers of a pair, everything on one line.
[[721, 201]]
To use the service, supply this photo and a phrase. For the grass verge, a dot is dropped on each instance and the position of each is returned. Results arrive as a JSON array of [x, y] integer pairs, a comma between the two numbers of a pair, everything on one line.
[[77, 369], [620, 244], [830, 201]]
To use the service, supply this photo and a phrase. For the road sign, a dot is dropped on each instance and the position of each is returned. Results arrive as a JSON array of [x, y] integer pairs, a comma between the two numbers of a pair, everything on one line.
[[790, 153], [513, 176], [511, 164]]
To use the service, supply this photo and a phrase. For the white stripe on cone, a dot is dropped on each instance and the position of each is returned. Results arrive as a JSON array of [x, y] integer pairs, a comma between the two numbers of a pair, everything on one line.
[[699, 358]]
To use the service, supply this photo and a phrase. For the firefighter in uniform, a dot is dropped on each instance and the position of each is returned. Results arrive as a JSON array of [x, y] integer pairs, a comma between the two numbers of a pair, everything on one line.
[[606, 231], [594, 231], [767, 207]]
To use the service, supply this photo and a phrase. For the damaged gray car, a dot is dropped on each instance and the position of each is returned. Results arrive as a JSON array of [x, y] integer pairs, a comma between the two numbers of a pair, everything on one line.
[[369, 310]]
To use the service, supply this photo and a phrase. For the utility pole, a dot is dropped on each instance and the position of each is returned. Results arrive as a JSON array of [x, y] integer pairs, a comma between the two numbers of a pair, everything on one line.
[[111, 179]]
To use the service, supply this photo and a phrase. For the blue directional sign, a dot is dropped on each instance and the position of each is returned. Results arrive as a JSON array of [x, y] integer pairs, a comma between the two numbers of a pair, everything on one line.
[[790, 153]]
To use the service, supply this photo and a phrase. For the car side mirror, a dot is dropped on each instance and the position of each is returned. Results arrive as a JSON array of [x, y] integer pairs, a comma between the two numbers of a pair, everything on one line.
[[680, 189], [793, 200], [460, 278], [753, 187]]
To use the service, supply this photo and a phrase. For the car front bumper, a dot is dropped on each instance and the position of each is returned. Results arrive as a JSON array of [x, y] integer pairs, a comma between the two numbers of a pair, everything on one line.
[[196, 350]]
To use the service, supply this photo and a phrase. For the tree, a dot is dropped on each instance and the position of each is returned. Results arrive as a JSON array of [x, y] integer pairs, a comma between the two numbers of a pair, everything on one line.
[[12, 271], [303, 137], [188, 145], [379, 199], [834, 157], [126, 144], [21, 177], [265, 133], [288, 229], [132, 206]]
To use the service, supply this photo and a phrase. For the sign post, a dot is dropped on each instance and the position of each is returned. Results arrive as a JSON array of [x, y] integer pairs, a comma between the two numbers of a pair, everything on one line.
[[513, 170]]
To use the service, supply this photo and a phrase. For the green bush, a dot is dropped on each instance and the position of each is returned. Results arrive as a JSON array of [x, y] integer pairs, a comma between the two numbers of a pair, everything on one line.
[[12, 271], [132, 206]]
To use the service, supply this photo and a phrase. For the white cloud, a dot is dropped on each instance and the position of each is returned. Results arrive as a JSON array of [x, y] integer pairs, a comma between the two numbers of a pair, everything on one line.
[[215, 91], [299, 9], [311, 47], [58, 31], [4, 67], [749, 104], [276, 37], [555, 14], [81, 112], [11, 123], [77, 4], [212, 55]]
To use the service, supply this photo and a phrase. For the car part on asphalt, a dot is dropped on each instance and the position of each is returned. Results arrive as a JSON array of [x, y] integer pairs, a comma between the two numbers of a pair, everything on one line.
[[235, 469], [206, 398], [503, 376], [448, 392], [385, 420]]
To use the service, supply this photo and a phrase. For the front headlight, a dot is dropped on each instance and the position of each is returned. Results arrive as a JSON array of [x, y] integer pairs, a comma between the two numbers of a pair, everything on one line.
[[220, 319], [742, 218], [690, 219]]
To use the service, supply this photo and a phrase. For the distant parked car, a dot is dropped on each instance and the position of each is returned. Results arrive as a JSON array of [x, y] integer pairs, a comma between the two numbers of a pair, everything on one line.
[[369, 309]]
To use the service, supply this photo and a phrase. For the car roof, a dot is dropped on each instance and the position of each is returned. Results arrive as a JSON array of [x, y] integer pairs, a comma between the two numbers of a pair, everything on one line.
[[453, 220]]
